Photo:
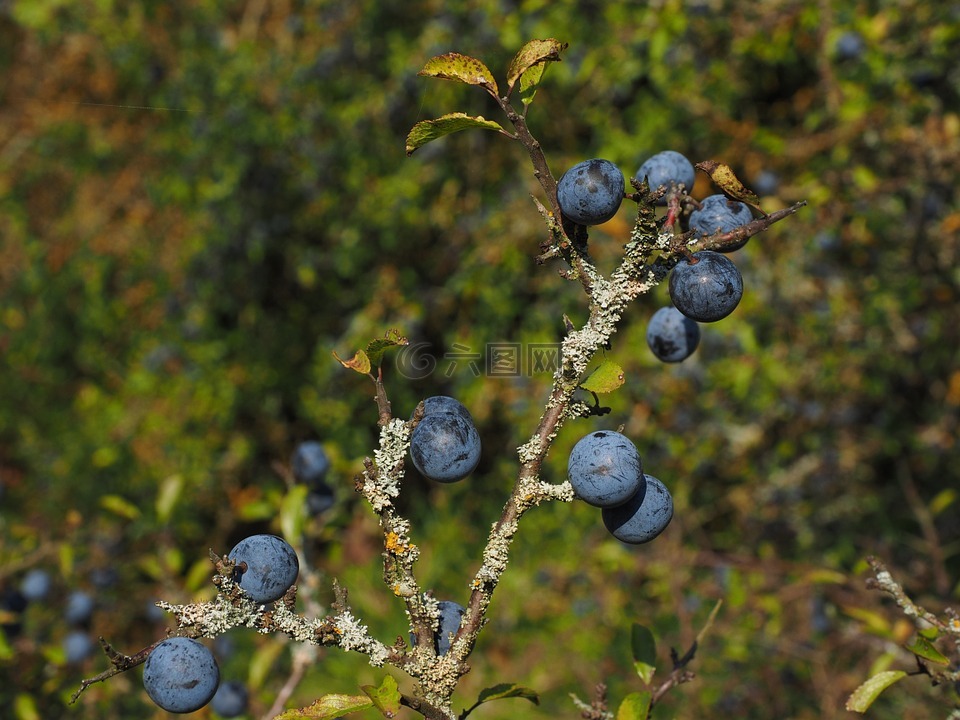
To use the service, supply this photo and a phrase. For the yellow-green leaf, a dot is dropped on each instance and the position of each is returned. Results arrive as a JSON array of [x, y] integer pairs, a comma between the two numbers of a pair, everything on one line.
[[386, 698], [507, 690], [863, 697], [358, 363], [942, 500], [644, 649], [167, 496], [262, 662], [293, 511], [25, 707], [605, 379], [921, 647], [462, 68], [427, 130], [635, 706], [535, 53], [120, 506], [530, 81], [726, 180], [328, 707]]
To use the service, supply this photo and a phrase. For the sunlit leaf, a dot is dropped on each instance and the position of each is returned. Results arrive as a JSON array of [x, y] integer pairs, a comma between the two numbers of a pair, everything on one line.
[[427, 130], [921, 647], [328, 707], [635, 706], [942, 500], [167, 496], [120, 506], [535, 53], [358, 363], [605, 379], [863, 697], [386, 697], [644, 648], [462, 68]]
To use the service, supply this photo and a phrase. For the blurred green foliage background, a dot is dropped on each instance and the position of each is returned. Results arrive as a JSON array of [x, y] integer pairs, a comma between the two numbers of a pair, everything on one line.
[[199, 201]]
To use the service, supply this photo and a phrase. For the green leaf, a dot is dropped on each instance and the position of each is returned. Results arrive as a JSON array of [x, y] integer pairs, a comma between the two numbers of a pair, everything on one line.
[[120, 506], [635, 706], [921, 647], [386, 698], [293, 511], [262, 662], [644, 648], [942, 500], [501, 692], [863, 697], [508, 690], [358, 363], [167, 496], [462, 68], [329, 707], [530, 81], [427, 130], [534, 55], [376, 348], [606, 378]]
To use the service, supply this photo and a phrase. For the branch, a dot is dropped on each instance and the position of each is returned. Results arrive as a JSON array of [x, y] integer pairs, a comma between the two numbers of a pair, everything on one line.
[[233, 608]]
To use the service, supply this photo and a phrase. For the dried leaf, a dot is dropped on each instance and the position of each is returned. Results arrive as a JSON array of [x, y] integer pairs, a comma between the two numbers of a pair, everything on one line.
[[724, 178]]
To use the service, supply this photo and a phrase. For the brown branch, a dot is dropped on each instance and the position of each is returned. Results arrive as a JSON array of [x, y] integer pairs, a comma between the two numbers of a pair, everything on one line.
[[718, 241]]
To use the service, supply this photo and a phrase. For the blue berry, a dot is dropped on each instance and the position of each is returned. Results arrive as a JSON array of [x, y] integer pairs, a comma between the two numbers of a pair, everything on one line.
[[36, 585], [230, 699], [450, 616], [77, 646], [79, 607], [708, 289], [850, 45], [766, 182], [445, 447], [670, 169], [605, 469], [320, 499], [447, 625], [671, 335], [643, 516], [444, 403], [272, 566], [590, 192], [181, 675], [309, 463], [718, 214], [13, 603]]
